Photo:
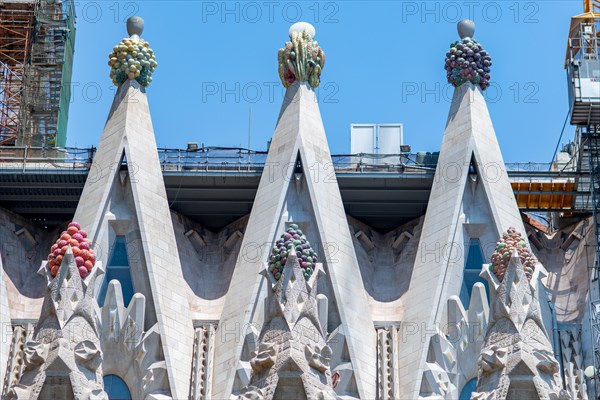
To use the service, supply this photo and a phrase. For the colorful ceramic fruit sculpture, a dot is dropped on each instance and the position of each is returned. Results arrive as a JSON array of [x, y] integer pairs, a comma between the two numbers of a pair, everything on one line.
[[75, 237], [505, 247], [292, 241], [301, 60], [132, 59], [467, 61]]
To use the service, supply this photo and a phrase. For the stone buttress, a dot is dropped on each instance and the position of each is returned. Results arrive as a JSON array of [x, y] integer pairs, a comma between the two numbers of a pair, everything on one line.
[[125, 195], [471, 198], [298, 186]]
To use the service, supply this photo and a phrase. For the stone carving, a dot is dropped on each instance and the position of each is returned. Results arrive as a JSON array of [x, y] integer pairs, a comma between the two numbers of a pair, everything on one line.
[[244, 369], [264, 357], [253, 393], [36, 354], [200, 388], [493, 359], [130, 352], [319, 358], [452, 356], [16, 365], [301, 60], [63, 359], [439, 377], [546, 362], [88, 353], [292, 357], [387, 363], [573, 366], [517, 359], [343, 379], [323, 395]]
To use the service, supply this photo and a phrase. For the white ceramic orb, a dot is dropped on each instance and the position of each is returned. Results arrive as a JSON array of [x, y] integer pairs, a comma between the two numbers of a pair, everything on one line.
[[466, 28], [589, 372], [302, 26]]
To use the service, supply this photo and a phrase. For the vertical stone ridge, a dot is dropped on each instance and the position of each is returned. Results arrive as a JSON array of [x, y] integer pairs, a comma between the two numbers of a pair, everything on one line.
[[299, 130], [64, 358], [517, 359], [5, 326], [128, 132], [343, 270], [471, 195]]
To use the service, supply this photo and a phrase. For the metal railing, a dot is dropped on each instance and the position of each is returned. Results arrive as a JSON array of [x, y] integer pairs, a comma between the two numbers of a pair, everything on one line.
[[528, 166], [222, 160], [35, 158], [212, 159], [209, 159]]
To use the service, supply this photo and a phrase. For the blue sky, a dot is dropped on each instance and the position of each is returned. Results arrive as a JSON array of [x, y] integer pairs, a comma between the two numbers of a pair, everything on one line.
[[385, 64]]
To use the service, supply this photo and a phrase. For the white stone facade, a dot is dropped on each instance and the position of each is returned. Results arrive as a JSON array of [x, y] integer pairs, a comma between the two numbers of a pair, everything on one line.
[[384, 317]]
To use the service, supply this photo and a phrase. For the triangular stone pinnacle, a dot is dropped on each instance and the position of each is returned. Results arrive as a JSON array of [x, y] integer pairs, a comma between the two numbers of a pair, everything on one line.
[[299, 136], [471, 189], [142, 215]]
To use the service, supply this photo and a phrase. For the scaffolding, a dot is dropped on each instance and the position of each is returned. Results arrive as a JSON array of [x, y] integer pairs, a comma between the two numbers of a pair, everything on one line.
[[36, 57], [583, 69], [16, 31]]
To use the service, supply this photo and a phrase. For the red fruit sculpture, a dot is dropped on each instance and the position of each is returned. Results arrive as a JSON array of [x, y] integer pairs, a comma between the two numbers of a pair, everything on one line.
[[77, 239]]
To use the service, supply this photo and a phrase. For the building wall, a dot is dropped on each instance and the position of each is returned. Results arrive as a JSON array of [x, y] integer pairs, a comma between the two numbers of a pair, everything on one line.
[[21, 258], [385, 262], [207, 261], [567, 255]]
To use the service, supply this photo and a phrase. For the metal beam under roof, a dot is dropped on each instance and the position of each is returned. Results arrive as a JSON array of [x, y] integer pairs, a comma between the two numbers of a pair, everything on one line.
[[218, 189]]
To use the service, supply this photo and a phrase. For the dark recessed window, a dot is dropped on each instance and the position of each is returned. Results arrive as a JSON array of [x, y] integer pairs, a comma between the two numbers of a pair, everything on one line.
[[118, 268], [116, 388], [468, 389], [473, 263]]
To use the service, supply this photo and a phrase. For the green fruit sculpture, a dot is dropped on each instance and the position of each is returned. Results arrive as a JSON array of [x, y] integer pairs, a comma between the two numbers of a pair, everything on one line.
[[505, 247], [132, 59], [293, 241], [301, 60]]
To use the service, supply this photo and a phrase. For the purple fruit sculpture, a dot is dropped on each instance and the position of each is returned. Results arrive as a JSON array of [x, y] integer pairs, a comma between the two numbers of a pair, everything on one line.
[[292, 241], [467, 61]]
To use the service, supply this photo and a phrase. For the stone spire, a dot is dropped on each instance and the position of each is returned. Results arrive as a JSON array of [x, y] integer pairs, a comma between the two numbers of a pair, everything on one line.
[[125, 196], [64, 359], [517, 359], [292, 359], [471, 199], [130, 349], [298, 186]]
